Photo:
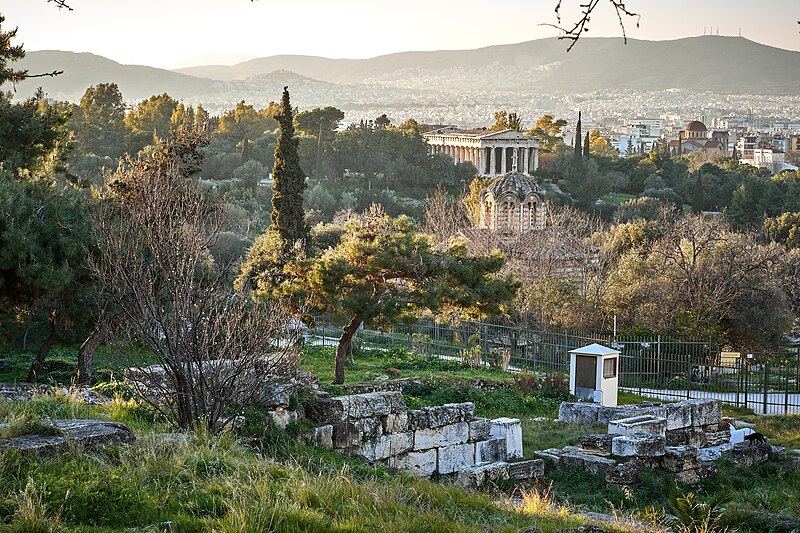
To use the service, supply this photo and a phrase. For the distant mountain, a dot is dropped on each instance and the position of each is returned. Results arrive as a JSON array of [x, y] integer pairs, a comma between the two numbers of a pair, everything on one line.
[[83, 69], [709, 62]]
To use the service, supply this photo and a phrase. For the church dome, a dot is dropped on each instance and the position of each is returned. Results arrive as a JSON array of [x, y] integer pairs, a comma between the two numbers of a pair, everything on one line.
[[514, 182], [696, 125]]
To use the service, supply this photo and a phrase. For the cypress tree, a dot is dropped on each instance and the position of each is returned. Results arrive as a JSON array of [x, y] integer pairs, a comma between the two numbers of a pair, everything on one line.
[[586, 153], [699, 199], [289, 181], [578, 138]]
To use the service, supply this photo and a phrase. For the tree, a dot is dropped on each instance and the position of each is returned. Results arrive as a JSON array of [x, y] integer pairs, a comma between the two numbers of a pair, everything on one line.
[[784, 229], [216, 350], [600, 146], [244, 122], [575, 32], [503, 120], [549, 132], [102, 127], [383, 270], [382, 122], [148, 120], [586, 148], [578, 138]]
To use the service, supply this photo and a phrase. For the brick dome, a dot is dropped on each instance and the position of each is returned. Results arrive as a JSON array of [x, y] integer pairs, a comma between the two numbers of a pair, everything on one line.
[[697, 126]]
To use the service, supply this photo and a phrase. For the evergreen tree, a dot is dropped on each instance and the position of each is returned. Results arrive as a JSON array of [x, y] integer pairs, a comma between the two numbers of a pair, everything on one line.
[[586, 151], [698, 200], [578, 137], [288, 181]]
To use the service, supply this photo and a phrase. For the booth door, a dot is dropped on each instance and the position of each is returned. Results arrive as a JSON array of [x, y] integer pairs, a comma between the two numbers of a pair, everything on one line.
[[585, 377]]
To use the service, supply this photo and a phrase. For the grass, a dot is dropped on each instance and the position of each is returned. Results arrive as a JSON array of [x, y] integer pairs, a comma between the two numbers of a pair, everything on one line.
[[61, 365], [206, 483]]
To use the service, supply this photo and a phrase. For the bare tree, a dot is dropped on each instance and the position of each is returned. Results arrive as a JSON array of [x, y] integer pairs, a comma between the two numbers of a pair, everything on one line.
[[200, 351], [574, 32], [445, 217]]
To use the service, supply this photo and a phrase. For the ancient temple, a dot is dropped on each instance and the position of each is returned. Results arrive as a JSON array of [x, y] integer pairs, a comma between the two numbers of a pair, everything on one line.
[[492, 152], [513, 204]]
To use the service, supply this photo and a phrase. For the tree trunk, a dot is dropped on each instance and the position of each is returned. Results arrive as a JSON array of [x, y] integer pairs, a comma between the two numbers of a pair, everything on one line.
[[38, 364], [341, 349], [87, 350]]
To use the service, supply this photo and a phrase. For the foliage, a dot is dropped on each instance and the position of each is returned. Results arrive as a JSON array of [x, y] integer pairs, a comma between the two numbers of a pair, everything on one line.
[[549, 132], [150, 119], [503, 120]]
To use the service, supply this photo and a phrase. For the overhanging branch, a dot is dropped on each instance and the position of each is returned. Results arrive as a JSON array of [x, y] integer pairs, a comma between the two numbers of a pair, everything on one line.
[[61, 4], [582, 25]]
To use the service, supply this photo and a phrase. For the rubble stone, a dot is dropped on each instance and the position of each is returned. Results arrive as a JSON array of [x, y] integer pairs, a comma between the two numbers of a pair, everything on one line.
[[778, 453], [680, 458], [529, 469], [744, 454], [624, 473], [638, 445], [479, 475]]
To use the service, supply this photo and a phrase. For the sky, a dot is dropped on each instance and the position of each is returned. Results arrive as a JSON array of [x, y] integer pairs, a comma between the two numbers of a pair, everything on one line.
[[172, 33]]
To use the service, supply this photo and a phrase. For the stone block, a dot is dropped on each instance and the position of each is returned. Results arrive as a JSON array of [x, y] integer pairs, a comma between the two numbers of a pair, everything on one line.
[[456, 458], [598, 465], [597, 443], [571, 461], [638, 445], [578, 412], [480, 475], [386, 446], [321, 435], [480, 429], [624, 473], [678, 415], [87, 433], [425, 439], [369, 428], [691, 436], [421, 464], [342, 408], [746, 455], [490, 451], [395, 422], [511, 429], [654, 425], [551, 458], [705, 412], [716, 438], [450, 413], [345, 435], [680, 458], [778, 453], [418, 419], [523, 470], [607, 414]]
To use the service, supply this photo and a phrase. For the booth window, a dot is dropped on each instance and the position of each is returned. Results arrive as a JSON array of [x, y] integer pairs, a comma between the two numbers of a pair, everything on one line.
[[610, 368]]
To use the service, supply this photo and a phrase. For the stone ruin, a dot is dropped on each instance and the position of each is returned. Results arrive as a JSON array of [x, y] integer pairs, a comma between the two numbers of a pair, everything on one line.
[[685, 438], [445, 441]]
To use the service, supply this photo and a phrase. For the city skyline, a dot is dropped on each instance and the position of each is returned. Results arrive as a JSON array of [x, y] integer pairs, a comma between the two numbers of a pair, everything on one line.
[[186, 32]]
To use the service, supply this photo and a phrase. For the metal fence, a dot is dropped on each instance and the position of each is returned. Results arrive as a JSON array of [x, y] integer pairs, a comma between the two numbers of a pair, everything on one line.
[[655, 366]]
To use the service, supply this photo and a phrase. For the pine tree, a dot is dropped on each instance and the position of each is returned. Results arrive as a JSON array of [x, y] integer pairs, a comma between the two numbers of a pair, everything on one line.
[[288, 181], [586, 151], [578, 137]]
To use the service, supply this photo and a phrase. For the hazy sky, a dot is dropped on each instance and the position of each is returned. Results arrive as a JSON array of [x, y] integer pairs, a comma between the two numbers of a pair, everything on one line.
[[165, 33]]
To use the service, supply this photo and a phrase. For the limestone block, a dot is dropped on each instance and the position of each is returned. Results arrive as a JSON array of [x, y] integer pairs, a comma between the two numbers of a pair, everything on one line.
[[386, 446], [747, 455], [511, 429], [477, 476], [480, 429], [421, 464], [607, 414], [450, 413], [654, 425], [715, 438], [341, 408], [598, 465], [395, 422], [691, 436], [638, 445], [578, 412], [705, 412], [456, 458], [522, 470], [571, 461], [490, 451], [320, 435], [778, 453], [425, 439], [418, 419], [597, 442], [624, 473], [551, 458], [345, 435], [369, 428], [82, 432], [680, 458], [678, 415]]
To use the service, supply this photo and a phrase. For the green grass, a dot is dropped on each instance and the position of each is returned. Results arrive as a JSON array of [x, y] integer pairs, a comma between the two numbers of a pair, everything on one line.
[[207, 483], [61, 365]]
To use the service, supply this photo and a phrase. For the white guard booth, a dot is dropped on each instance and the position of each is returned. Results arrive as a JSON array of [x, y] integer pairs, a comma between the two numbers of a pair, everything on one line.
[[594, 374]]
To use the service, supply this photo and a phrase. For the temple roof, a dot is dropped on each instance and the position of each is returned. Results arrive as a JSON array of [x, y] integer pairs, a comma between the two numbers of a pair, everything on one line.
[[516, 182], [696, 125]]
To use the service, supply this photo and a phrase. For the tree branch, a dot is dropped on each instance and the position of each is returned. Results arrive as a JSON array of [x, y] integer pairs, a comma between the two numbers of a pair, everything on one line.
[[582, 25], [61, 4]]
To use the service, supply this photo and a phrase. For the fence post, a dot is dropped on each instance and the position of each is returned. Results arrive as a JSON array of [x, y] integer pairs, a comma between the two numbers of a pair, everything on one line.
[[738, 378], [786, 393], [766, 374]]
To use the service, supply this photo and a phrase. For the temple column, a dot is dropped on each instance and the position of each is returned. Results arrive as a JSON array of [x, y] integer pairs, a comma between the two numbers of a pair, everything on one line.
[[526, 164], [535, 158], [479, 160], [504, 161], [492, 161]]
